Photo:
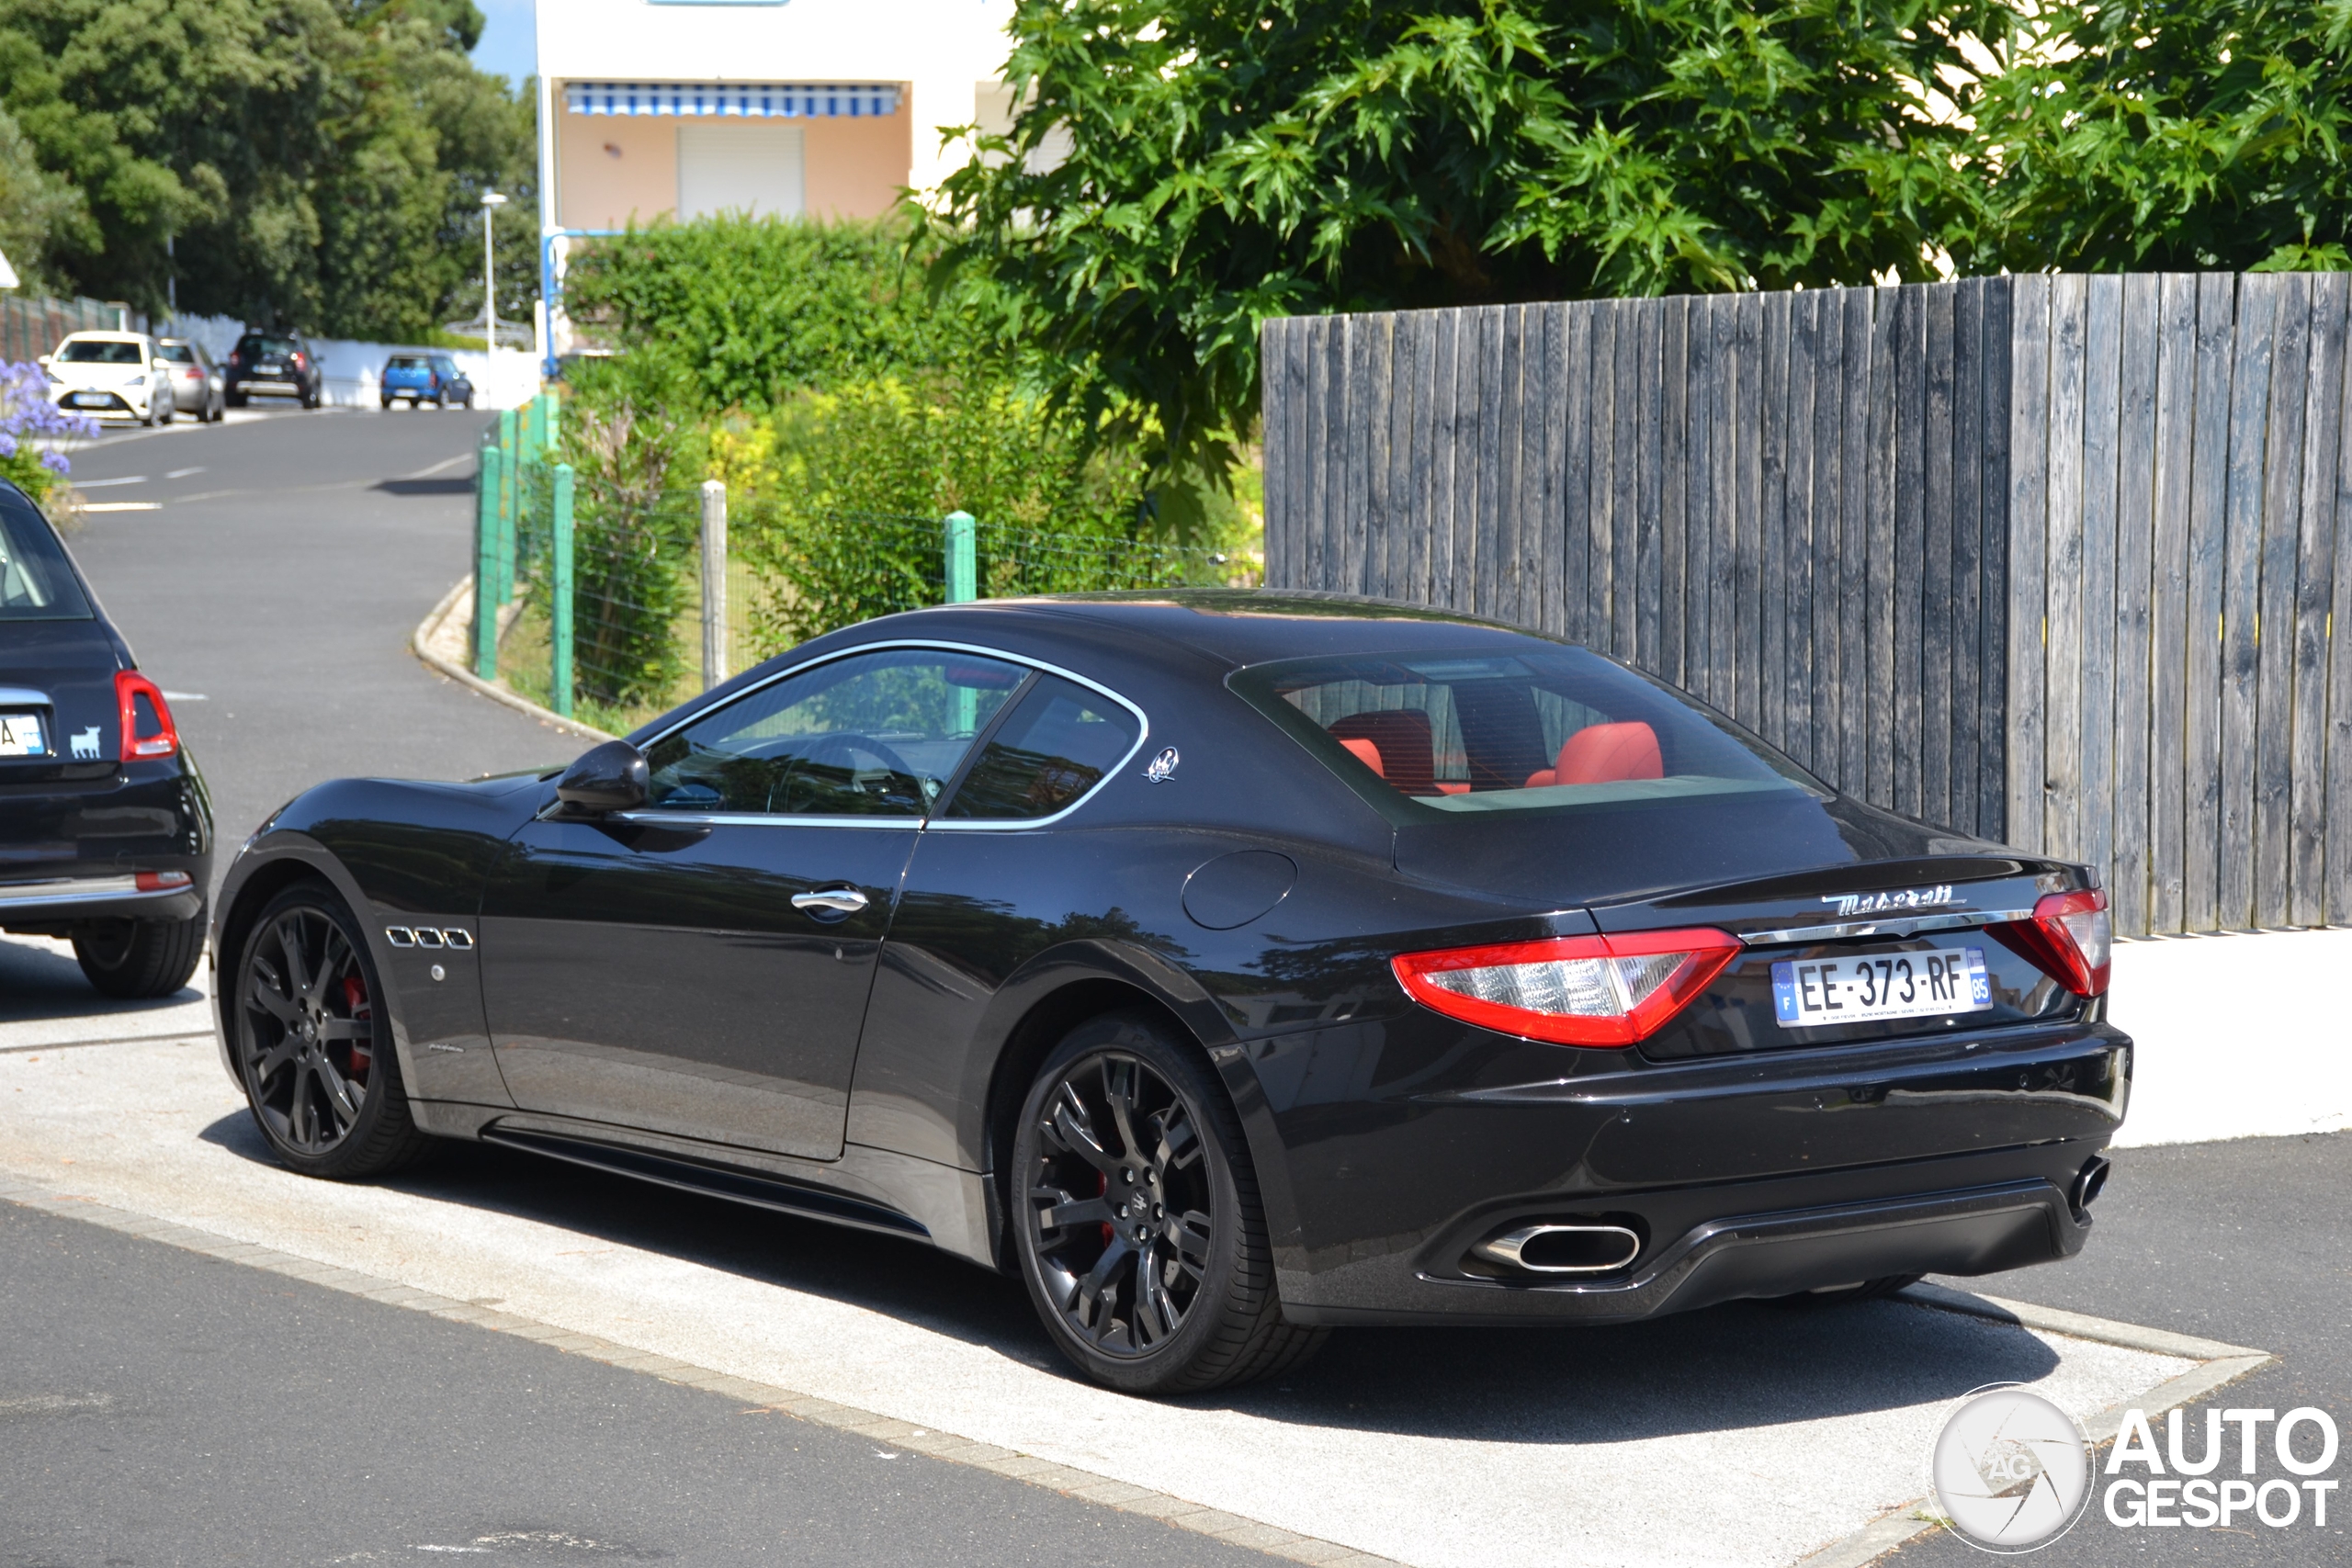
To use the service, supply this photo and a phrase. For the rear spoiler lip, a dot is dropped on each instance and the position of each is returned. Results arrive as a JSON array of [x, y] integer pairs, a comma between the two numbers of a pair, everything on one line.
[[1900, 925]]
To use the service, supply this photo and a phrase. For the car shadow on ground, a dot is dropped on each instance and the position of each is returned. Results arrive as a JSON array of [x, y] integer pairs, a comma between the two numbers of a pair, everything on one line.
[[1742, 1365], [464, 486], [38, 979]]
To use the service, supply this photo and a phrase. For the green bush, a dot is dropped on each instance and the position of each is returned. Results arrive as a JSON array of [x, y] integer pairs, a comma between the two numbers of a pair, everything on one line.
[[634, 533], [752, 310]]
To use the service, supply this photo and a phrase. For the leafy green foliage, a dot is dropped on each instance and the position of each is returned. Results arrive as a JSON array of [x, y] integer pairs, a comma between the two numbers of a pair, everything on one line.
[[34, 206], [312, 162], [1183, 169], [754, 309], [2189, 134]]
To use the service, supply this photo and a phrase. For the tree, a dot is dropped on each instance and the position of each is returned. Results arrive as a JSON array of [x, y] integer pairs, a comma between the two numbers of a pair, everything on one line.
[[305, 161], [36, 208], [2185, 135], [1183, 169]]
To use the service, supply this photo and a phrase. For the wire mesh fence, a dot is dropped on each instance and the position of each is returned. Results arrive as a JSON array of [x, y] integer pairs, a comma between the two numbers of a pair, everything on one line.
[[791, 573]]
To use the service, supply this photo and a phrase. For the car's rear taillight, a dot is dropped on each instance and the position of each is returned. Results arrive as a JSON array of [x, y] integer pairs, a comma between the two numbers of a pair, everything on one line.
[[147, 729], [1574, 990], [2068, 937]]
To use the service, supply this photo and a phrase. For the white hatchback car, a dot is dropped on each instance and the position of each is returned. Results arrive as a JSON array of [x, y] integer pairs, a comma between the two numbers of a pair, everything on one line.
[[111, 374]]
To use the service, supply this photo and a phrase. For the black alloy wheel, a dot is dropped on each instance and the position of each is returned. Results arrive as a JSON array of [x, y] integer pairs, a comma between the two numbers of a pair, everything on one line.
[[313, 1048], [1136, 1218]]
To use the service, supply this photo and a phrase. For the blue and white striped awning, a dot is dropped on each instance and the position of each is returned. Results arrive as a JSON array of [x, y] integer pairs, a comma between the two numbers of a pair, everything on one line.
[[747, 100]]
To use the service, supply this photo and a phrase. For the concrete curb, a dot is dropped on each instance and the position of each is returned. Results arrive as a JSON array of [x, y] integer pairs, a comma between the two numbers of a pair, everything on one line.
[[433, 629], [2221, 1364], [755, 1398]]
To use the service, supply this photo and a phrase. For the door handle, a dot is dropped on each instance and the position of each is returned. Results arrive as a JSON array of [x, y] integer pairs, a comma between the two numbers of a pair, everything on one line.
[[835, 900]]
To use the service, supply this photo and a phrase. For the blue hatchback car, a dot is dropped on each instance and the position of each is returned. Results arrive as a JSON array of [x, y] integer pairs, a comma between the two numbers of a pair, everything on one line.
[[424, 378]]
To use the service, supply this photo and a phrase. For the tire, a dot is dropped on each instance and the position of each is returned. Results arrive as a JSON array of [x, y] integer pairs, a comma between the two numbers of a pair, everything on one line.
[[441, 398], [387, 402], [170, 414], [138, 960], [469, 399], [307, 1036], [148, 418], [1838, 1295], [1195, 1306]]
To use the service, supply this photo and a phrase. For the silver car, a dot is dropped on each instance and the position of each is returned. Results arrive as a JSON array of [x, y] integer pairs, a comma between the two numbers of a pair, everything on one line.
[[198, 386]]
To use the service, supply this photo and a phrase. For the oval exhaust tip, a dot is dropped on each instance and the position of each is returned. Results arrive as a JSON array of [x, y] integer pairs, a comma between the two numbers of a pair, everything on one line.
[[1563, 1249], [2089, 1183]]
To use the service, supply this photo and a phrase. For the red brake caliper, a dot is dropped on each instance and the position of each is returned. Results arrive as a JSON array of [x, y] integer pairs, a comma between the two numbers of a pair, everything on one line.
[[1104, 1189], [354, 997]]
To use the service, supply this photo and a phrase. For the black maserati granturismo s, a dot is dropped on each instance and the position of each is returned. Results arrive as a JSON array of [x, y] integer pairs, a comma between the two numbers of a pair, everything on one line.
[[1230, 965]]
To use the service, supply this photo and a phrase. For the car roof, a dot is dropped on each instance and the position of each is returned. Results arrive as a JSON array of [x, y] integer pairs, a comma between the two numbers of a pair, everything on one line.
[[1235, 626], [96, 336]]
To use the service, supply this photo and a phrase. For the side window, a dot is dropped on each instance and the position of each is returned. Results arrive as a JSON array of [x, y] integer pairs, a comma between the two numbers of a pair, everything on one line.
[[1052, 748], [873, 735]]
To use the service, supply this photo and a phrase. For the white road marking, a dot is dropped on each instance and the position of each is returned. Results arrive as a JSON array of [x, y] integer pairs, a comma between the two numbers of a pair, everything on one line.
[[442, 466], [185, 697], [124, 506], [181, 473], [102, 484]]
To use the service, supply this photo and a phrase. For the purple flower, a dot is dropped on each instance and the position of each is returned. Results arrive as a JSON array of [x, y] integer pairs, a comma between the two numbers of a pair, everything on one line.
[[56, 462], [7, 445]]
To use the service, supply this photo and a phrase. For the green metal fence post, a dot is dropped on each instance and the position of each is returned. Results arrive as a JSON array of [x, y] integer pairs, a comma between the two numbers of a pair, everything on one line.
[[963, 587], [509, 513], [559, 566], [488, 489], [963, 563]]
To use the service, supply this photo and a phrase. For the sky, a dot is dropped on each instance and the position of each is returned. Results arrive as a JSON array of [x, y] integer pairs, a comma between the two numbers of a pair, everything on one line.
[[508, 48]]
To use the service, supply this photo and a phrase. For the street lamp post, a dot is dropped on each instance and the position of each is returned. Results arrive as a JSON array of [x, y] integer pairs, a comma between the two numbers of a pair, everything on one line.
[[491, 202]]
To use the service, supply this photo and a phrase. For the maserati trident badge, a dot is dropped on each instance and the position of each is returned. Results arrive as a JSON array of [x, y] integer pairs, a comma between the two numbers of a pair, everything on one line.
[[1162, 767]]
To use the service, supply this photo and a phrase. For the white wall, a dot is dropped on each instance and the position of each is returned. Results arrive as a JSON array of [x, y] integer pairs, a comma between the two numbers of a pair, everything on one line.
[[507, 379]]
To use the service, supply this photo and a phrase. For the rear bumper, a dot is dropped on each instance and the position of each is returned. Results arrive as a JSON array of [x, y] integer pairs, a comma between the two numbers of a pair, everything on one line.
[[1762, 1175], [1979, 1230], [71, 899]]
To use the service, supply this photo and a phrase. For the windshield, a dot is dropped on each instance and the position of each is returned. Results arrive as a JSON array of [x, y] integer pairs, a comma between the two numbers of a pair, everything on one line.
[[100, 351], [36, 583], [1544, 727]]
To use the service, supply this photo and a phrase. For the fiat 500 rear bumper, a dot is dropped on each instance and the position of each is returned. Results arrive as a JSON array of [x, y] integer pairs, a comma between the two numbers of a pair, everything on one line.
[[1620, 1194]]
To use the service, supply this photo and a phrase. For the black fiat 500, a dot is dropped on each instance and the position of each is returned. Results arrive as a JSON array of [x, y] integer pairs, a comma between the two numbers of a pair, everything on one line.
[[105, 829], [1230, 966]]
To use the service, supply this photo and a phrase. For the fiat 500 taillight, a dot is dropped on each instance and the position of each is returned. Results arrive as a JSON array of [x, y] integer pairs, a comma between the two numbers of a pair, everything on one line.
[[1571, 990], [147, 729]]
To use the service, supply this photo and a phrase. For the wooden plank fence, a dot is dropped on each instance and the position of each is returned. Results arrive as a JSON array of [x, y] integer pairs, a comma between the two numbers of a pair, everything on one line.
[[2054, 560]]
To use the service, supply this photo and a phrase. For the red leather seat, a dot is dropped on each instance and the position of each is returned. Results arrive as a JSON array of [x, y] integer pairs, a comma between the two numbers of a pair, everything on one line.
[[1604, 753], [1400, 739]]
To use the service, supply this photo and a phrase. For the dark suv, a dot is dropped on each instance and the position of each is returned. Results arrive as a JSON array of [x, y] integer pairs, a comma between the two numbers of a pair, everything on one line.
[[276, 364]]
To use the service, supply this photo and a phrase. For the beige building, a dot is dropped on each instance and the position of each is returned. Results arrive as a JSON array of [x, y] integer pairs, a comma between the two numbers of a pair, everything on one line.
[[684, 108]]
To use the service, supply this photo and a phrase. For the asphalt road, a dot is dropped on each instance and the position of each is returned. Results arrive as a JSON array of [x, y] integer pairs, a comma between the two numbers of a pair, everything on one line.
[[160, 1408], [287, 561]]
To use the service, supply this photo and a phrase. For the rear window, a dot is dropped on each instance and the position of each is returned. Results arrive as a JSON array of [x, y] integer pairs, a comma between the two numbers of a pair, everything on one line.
[[36, 582], [101, 351], [1557, 729], [406, 362], [262, 343], [177, 352]]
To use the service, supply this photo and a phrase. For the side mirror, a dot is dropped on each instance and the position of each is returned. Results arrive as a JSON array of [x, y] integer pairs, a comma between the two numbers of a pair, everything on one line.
[[610, 777]]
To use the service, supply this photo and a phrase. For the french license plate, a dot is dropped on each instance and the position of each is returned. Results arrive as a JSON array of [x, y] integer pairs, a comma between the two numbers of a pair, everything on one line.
[[91, 400], [1866, 987], [20, 735]]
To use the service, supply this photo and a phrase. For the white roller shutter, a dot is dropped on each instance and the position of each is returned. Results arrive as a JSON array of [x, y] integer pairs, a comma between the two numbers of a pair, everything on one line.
[[740, 165]]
